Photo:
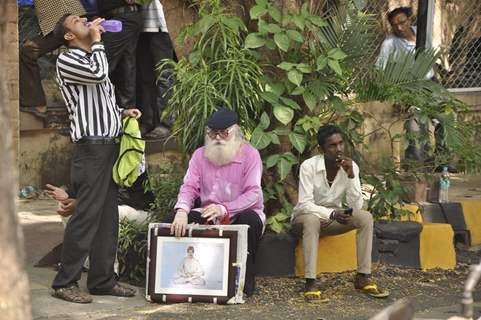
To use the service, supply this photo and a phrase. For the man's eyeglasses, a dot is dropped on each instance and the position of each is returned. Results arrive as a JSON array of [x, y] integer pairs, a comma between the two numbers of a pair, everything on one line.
[[223, 134]]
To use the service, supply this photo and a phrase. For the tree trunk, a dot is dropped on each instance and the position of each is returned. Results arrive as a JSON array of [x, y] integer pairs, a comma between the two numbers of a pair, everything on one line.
[[14, 288]]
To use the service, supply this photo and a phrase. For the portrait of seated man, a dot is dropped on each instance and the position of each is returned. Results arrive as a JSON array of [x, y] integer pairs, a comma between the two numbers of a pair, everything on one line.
[[190, 270]]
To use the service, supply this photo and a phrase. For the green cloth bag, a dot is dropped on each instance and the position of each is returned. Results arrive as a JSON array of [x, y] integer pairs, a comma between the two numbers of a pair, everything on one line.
[[132, 148]]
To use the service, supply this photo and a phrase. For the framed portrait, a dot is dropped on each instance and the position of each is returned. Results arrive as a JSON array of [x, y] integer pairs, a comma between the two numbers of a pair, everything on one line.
[[196, 268]]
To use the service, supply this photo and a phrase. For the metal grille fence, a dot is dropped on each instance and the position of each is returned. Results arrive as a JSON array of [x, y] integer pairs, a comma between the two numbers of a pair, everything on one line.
[[456, 31]]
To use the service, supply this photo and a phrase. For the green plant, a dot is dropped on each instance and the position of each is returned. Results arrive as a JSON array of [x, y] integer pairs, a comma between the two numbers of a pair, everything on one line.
[[218, 70], [132, 251], [164, 183], [293, 71]]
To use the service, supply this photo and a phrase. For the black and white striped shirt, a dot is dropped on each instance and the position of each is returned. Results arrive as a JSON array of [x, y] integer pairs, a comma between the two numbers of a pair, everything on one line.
[[88, 93]]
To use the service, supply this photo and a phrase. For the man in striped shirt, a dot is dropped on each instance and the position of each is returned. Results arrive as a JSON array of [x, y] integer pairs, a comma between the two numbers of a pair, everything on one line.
[[95, 124]]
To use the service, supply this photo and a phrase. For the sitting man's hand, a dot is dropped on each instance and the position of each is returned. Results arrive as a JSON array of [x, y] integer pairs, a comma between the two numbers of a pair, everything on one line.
[[346, 164], [341, 217], [66, 207], [179, 225], [133, 113], [56, 193], [212, 211]]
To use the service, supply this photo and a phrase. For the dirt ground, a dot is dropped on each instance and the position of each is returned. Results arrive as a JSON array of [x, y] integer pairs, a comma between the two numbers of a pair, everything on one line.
[[281, 298], [436, 294]]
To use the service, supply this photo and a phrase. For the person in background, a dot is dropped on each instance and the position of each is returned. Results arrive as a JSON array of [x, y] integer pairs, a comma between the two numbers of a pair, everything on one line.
[[37, 20], [153, 46], [120, 47], [403, 39]]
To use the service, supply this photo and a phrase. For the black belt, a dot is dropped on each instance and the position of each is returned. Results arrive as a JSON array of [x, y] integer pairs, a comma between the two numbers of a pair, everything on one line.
[[98, 140], [121, 10]]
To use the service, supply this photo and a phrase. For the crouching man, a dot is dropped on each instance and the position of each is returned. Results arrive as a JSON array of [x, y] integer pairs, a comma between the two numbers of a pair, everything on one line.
[[225, 175], [324, 181]]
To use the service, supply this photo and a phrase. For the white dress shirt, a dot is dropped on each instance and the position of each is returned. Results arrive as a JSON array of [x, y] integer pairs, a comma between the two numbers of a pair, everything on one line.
[[318, 198]]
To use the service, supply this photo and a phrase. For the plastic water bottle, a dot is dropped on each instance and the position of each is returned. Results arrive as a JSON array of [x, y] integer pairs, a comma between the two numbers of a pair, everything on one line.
[[444, 184], [109, 25]]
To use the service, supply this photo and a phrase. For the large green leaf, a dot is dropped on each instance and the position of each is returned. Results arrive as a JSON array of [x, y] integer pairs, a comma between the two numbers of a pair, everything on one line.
[[257, 11], [276, 88], [295, 35], [274, 138], [260, 139], [336, 54], [295, 77], [270, 97], [275, 14], [283, 114], [321, 62], [254, 40], [299, 141], [299, 22], [273, 28], [291, 103], [282, 41], [335, 66], [290, 157], [272, 160], [310, 100], [286, 66], [284, 167], [304, 68], [318, 21], [265, 121], [205, 23]]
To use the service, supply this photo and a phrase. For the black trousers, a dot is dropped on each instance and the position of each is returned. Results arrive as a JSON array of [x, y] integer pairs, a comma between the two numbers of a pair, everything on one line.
[[120, 49], [254, 235], [93, 228], [153, 93], [30, 86]]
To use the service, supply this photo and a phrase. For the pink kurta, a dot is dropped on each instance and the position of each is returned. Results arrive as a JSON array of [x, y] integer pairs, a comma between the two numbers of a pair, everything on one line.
[[236, 185]]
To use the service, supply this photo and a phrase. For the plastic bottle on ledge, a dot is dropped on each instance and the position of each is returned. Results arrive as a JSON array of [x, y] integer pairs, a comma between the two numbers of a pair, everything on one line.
[[444, 185], [110, 25]]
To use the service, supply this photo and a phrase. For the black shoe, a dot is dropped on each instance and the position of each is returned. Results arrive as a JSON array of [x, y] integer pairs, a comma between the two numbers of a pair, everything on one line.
[[118, 291]]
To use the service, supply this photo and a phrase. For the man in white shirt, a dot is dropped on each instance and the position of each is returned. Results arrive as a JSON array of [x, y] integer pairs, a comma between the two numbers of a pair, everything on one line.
[[324, 181]]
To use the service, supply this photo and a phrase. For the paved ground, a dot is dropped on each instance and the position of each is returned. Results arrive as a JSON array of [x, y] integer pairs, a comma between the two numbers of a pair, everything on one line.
[[435, 294]]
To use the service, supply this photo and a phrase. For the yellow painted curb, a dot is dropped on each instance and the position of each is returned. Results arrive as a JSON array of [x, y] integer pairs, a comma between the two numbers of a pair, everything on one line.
[[436, 248], [472, 216], [335, 254]]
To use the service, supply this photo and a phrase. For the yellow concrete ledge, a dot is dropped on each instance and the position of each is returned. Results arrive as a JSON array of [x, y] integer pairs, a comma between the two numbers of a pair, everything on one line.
[[472, 216], [336, 254], [436, 248]]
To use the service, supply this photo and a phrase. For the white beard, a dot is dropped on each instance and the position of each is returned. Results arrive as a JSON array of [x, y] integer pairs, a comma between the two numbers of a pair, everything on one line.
[[221, 153]]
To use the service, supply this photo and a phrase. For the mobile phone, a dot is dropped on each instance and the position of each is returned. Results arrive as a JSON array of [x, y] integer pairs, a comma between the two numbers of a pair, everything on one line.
[[348, 211]]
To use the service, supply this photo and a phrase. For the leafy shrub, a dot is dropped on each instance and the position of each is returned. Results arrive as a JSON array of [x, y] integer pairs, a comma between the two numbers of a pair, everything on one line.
[[132, 246]]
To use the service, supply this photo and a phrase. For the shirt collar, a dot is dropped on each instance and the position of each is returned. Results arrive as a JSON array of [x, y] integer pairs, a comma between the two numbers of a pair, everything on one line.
[[321, 164], [79, 51]]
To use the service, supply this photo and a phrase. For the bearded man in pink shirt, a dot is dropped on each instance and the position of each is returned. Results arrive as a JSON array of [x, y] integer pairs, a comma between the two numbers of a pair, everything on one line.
[[225, 175]]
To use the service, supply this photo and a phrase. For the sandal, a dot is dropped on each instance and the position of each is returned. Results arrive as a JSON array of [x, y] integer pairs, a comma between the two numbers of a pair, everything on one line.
[[374, 291], [314, 296], [72, 294]]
